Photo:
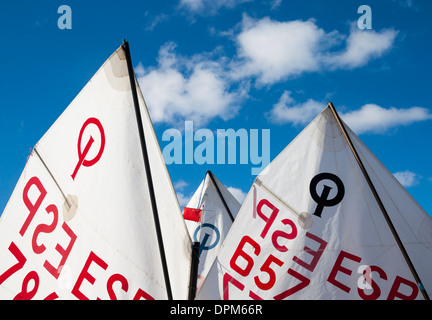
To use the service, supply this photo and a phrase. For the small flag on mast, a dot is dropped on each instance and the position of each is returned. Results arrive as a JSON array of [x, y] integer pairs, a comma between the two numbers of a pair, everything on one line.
[[192, 214]]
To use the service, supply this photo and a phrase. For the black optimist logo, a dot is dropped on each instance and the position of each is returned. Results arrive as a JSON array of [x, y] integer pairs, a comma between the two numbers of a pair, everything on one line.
[[323, 199]]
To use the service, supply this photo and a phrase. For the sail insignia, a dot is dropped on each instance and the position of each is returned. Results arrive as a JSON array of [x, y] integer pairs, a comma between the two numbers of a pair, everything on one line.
[[80, 222], [347, 249]]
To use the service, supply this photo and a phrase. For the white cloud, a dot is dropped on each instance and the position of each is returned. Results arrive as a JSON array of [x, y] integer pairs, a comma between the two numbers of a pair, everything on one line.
[[288, 111], [154, 21], [376, 119], [273, 51], [180, 185], [362, 46], [187, 88], [407, 178], [406, 4], [209, 85], [182, 198], [369, 118], [238, 194], [206, 7], [275, 4]]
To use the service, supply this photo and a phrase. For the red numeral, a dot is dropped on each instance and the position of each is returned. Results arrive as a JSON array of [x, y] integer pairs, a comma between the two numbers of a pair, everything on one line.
[[142, 294], [25, 294], [240, 253], [267, 269], [21, 261], [304, 282], [229, 279]]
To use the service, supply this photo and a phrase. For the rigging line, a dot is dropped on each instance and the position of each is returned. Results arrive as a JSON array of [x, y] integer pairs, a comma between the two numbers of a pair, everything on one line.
[[125, 47], [201, 193], [199, 206], [380, 204], [52, 176], [220, 195], [261, 184]]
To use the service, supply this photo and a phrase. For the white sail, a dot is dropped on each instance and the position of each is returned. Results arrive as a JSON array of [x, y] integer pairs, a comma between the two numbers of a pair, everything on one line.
[[310, 228], [214, 222], [79, 223]]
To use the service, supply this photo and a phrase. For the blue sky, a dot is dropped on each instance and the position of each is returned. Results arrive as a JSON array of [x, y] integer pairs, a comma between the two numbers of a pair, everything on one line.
[[239, 64]]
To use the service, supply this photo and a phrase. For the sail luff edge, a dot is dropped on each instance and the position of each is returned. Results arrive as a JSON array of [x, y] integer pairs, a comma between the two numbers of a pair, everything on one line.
[[125, 47], [220, 195], [379, 202]]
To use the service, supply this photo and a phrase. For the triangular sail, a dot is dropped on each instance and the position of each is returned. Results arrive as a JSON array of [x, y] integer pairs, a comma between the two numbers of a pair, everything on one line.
[[218, 208], [79, 223], [310, 228]]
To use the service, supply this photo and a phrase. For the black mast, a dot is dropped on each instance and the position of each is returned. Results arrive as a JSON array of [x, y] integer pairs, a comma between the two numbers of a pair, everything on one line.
[[380, 204], [196, 246], [194, 270], [125, 47]]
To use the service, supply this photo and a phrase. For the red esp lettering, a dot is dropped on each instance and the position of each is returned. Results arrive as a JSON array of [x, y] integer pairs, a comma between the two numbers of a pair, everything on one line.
[[85, 275], [33, 207], [304, 282], [63, 252], [45, 228], [394, 291], [376, 290], [316, 255], [268, 220], [289, 236], [338, 267]]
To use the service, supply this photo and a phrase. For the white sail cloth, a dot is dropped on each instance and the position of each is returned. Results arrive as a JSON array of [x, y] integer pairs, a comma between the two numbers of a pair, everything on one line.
[[79, 223], [215, 221], [310, 228]]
